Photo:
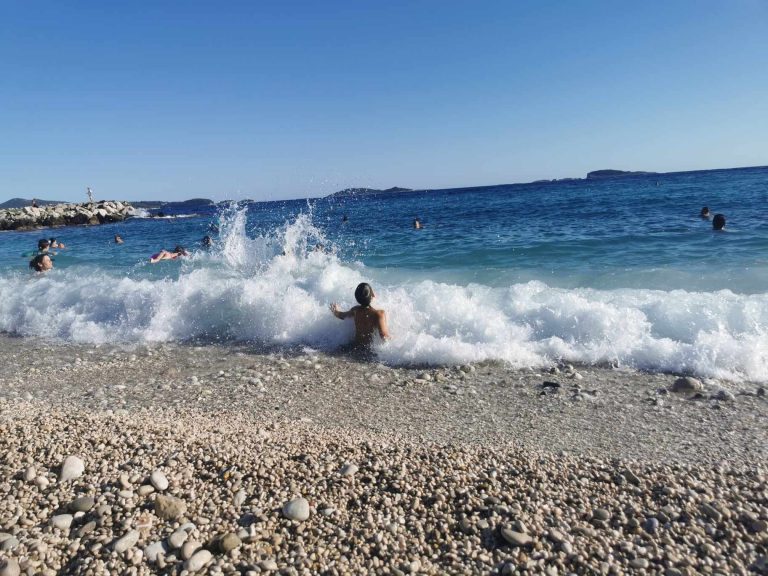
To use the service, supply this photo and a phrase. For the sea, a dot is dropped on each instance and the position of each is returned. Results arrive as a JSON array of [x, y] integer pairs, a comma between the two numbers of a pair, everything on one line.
[[620, 271]]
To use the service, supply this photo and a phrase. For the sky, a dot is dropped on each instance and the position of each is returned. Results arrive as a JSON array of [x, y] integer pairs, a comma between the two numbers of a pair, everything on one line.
[[290, 99]]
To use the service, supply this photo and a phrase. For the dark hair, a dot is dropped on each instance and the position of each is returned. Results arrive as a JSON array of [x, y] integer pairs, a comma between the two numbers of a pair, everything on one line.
[[705, 210], [43, 243], [364, 294], [179, 249], [52, 240], [718, 222]]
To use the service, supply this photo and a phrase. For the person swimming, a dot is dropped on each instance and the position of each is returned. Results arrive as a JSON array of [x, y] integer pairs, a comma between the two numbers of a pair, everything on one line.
[[718, 222], [368, 320], [168, 254], [207, 241], [118, 239], [705, 213], [53, 243], [41, 263], [417, 225]]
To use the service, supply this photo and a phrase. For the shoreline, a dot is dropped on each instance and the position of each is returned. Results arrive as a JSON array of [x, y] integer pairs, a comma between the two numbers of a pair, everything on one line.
[[403, 470]]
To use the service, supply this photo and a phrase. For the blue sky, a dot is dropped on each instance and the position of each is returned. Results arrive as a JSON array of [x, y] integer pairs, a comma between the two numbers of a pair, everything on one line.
[[271, 100]]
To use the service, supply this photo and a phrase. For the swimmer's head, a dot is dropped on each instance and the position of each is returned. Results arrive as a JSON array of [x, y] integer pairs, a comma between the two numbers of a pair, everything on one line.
[[364, 294], [43, 244], [180, 250], [705, 212], [118, 239], [207, 241], [718, 222]]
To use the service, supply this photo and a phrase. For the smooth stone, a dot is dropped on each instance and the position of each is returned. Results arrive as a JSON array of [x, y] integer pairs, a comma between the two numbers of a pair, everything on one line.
[[9, 567], [126, 542], [72, 468], [651, 525], [145, 490], [154, 550], [516, 538], [177, 539], [30, 473], [158, 480], [601, 514], [687, 384], [189, 549], [639, 563], [556, 536], [229, 542], [169, 507], [82, 504], [725, 396], [712, 512], [296, 509], [239, 498], [268, 564], [348, 469], [9, 544], [62, 521], [200, 559]]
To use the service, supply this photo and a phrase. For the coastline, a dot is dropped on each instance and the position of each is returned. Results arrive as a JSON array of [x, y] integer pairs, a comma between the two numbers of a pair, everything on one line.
[[458, 470]]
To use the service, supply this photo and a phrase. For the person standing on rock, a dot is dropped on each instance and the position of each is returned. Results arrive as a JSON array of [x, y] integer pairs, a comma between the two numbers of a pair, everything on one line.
[[90, 196], [368, 320]]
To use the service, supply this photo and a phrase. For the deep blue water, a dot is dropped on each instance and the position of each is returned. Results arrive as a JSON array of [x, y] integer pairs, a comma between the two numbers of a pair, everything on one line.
[[619, 269]]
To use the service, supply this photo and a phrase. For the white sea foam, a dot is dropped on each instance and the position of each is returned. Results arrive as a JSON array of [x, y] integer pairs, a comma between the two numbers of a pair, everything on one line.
[[276, 290]]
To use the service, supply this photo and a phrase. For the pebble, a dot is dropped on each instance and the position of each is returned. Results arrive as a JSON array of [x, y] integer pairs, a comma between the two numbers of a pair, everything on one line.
[[30, 473], [268, 565], [711, 512], [687, 384], [296, 509], [198, 561], [639, 563], [229, 542], [169, 507], [239, 498], [651, 525], [9, 544], [158, 480], [189, 549], [725, 396], [9, 567], [154, 550], [601, 514], [72, 468], [82, 504], [128, 541], [62, 521], [177, 539], [349, 469], [516, 538]]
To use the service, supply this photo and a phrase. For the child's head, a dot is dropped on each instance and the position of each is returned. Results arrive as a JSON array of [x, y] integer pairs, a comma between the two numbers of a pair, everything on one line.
[[718, 222], [364, 294], [43, 244]]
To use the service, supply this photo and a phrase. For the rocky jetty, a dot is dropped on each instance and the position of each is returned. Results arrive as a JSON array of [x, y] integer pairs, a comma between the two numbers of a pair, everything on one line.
[[91, 213]]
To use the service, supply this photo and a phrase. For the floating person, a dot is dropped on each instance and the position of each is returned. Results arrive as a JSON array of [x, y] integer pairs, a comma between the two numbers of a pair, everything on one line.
[[53, 243], [705, 213], [718, 222], [417, 225], [118, 239], [41, 263], [368, 320], [344, 219], [207, 241], [168, 254]]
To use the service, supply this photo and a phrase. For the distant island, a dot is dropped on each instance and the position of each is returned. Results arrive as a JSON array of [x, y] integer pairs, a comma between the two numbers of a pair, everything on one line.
[[150, 204], [599, 174], [22, 202], [367, 191]]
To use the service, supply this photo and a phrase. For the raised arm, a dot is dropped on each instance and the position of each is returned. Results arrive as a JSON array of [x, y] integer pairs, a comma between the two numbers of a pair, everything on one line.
[[383, 328], [339, 313]]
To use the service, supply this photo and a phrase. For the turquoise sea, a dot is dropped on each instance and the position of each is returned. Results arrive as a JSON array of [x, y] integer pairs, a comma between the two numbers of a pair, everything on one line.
[[620, 271]]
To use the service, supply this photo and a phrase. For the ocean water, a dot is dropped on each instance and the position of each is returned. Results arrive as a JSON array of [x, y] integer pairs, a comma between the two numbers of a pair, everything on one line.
[[620, 271]]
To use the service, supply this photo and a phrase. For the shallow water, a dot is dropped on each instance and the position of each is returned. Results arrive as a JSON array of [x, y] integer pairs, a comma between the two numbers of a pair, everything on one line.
[[621, 271]]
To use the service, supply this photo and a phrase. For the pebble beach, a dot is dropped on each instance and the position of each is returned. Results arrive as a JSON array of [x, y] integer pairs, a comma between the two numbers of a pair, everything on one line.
[[182, 459]]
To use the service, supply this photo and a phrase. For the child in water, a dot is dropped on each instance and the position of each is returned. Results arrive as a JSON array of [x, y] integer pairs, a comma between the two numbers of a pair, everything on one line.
[[368, 320]]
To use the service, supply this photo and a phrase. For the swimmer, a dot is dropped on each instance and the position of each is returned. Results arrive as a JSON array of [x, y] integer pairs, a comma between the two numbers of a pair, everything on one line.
[[705, 213], [55, 243], [41, 263], [344, 219], [417, 224], [718, 222], [207, 241], [118, 239], [368, 320], [168, 255]]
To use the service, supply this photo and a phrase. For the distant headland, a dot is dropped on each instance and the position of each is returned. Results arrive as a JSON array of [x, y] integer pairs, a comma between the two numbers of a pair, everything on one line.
[[600, 174], [367, 191]]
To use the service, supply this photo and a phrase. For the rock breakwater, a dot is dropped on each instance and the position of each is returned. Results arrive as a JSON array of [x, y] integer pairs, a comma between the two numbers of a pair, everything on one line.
[[91, 213]]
